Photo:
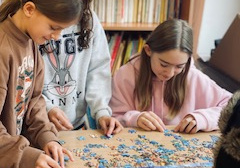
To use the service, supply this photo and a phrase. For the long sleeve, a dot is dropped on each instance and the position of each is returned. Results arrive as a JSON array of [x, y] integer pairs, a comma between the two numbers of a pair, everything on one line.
[[206, 99], [12, 144], [122, 102], [23, 119], [76, 77], [39, 128], [16, 146], [98, 87]]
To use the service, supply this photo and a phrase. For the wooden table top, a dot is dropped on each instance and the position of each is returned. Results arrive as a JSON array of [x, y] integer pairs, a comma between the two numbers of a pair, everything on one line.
[[137, 148]]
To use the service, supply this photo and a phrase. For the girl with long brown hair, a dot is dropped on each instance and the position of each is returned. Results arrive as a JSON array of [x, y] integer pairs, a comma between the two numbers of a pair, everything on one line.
[[161, 86]]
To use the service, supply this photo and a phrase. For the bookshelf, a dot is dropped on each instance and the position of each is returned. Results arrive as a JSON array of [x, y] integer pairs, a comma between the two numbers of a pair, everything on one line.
[[137, 13], [132, 20], [129, 26]]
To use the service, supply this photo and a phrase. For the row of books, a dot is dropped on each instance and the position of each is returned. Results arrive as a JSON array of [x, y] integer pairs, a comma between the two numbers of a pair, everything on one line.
[[136, 11], [122, 46]]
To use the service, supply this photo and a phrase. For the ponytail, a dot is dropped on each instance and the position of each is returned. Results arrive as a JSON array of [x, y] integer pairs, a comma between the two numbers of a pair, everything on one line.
[[86, 24]]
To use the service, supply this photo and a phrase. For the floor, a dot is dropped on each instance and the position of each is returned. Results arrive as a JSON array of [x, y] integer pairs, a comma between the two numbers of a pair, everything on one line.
[[220, 78]]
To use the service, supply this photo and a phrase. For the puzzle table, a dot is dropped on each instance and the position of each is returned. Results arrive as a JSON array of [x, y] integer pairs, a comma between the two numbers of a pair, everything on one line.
[[137, 148]]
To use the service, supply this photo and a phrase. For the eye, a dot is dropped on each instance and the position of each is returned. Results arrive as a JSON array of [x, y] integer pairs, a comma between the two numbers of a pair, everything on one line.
[[163, 65], [55, 28], [52, 28], [66, 78], [57, 79], [180, 66]]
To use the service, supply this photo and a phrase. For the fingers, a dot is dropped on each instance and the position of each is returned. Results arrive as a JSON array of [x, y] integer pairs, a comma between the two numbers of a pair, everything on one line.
[[58, 125], [45, 161], [194, 130], [103, 124], [150, 121], [52, 151], [68, 153], [150, 125], [46, 150], [187, 125], [189, 128], [144, 126], [110, 125], [53, 164], [118, 127], [60, 120], [65, 123], [115, 127], [56, 151], [60, 155]]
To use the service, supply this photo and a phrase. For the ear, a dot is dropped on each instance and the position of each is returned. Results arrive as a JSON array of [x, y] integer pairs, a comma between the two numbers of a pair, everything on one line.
[[29, 8], [147, 49]]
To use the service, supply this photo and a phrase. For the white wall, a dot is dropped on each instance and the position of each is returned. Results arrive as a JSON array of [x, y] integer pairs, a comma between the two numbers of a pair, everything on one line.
[[217, 17]]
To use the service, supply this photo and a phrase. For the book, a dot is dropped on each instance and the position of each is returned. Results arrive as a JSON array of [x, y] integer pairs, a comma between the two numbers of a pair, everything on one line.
[[170, 11], [115, 48], [118, 60], [128, 51]]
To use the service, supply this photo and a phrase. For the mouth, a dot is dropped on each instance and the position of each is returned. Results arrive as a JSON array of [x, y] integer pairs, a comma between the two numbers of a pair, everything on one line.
[[165, 77], [42, 41], [46, 39]]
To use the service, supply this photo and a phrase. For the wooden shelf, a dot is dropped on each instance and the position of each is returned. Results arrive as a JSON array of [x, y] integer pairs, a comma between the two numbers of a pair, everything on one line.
[[129, 26]]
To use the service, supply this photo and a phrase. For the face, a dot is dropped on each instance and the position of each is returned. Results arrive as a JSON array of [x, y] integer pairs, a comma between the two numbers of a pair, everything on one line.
[[43, 29], [168, 64], [39, 27]]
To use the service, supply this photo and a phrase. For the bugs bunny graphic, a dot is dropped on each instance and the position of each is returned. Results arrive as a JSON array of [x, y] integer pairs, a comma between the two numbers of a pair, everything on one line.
[[62, 83]]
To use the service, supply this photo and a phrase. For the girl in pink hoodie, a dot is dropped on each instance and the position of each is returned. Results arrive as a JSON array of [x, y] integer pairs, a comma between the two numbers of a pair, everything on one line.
[[161, 87]]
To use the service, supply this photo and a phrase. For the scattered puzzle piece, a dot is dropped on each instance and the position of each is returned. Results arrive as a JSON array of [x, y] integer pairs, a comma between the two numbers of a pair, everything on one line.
[[145, 152]]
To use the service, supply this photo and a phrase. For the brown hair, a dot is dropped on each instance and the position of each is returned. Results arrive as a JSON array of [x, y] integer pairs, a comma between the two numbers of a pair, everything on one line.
[[57, 10], [171, 34], [85, 24]]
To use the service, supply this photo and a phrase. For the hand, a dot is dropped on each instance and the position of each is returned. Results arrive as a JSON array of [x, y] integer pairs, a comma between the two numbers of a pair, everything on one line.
[[56, 151], [110, 125], [44, 161], [187, 125], [59, 119], [150, 121]]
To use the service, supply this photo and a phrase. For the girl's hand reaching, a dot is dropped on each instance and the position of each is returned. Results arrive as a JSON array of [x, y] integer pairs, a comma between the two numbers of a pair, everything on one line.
[[59, 119], [110, 125], [45, 161], [187, 125], [150, 121], [57, 152]]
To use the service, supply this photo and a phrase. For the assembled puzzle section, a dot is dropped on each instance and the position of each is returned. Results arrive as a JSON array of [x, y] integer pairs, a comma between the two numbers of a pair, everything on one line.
[[136, 148]]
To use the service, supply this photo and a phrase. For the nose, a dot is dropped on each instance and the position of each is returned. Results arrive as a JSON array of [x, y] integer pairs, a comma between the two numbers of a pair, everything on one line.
[[56, 35], [170, 72]]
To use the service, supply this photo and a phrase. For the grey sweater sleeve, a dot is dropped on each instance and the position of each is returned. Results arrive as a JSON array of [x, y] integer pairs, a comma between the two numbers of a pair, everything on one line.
[[98, 87]]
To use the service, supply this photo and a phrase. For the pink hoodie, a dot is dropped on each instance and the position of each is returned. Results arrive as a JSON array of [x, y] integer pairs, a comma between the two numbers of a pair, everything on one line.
[[204, 99]]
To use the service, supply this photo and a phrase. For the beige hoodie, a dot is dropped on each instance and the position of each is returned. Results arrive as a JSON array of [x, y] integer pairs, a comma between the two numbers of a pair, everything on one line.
[[22, 107]]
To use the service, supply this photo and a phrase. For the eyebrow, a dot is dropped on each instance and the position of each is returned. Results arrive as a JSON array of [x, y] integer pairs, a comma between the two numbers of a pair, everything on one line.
[[57, 27], [172, 64]]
